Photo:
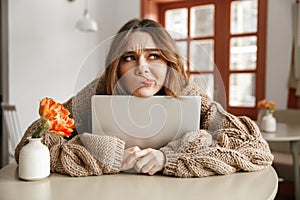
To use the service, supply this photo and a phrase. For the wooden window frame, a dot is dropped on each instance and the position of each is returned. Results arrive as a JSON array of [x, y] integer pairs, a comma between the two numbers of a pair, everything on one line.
[[153, 9]]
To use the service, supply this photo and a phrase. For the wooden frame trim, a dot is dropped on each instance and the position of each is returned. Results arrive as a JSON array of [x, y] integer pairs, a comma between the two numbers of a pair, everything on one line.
[[151, 9]]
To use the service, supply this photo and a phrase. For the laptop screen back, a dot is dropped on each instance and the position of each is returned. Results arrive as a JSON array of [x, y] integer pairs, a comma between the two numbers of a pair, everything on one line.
[[145, 122]]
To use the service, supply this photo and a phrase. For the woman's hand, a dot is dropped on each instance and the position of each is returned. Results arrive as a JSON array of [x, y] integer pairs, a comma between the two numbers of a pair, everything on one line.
[[129, 158], [150, 161], [147, 161]]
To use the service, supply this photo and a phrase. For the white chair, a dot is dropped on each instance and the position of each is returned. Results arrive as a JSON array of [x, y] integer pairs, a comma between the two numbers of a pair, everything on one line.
[[12, 127]]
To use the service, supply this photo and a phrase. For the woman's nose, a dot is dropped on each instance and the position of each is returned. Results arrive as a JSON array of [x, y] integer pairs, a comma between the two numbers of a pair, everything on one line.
[[142, 70], [142, 60], [143, 66]]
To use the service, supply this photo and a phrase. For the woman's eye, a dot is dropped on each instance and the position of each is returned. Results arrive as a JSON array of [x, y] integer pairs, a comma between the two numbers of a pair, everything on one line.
[[129, 58], [154, 56]]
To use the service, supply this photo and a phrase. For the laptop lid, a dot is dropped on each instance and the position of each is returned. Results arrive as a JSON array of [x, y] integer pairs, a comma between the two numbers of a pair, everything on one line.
[[145, 122]]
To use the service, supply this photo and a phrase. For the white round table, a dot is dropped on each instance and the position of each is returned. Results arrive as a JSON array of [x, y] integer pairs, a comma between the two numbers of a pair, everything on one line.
[[242, 185]]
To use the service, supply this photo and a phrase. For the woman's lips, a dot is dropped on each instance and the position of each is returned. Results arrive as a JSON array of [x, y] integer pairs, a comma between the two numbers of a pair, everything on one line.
[[148, 82]]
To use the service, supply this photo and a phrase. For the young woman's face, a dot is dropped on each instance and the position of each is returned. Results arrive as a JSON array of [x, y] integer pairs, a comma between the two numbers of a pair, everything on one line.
[[142, 68]]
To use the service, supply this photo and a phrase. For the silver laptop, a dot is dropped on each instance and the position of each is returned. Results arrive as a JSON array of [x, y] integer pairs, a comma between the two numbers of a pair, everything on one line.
[[145, 122]]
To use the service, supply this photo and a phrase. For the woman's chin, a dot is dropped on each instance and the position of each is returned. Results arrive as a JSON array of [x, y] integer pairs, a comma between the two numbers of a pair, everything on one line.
[[145, 92]]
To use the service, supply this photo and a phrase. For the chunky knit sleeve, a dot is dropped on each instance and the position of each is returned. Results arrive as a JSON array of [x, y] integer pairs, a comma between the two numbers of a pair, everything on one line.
[[69, 156], [224, 144]]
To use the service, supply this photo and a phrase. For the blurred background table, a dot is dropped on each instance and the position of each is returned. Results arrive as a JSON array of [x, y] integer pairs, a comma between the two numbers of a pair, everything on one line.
[[288, 133]]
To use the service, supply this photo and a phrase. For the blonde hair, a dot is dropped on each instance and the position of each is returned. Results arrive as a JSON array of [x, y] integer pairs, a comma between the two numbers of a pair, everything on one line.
[[176, 78]]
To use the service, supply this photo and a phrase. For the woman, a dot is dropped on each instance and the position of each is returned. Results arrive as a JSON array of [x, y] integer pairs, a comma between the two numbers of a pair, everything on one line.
[[143, 61]]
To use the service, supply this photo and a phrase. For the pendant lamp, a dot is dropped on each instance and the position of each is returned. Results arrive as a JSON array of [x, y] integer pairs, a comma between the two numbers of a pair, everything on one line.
[[86, 23]]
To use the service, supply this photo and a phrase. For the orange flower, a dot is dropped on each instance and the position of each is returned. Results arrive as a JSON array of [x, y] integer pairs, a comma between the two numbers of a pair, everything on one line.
[[55, 118], [262, 104], [272, 105], [269, 105]]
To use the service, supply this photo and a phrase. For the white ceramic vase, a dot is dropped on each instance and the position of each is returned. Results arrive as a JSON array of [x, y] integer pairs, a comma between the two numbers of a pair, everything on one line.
[[268, 123], [34, 160]]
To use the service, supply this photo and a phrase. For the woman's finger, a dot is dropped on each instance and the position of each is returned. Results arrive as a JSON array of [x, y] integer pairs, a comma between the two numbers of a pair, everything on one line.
[[150, 161], [129, 158]]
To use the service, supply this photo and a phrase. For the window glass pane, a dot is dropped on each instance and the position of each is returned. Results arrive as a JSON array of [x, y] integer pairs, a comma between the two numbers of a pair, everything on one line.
[[182, 46], [243, 51], [202, 55], [244, 16], [176, 22], [242, 89], [205, 82], [202, 21]]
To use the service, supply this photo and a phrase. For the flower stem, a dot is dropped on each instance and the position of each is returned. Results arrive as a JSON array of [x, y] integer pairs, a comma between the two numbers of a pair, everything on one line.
[[38, 133]]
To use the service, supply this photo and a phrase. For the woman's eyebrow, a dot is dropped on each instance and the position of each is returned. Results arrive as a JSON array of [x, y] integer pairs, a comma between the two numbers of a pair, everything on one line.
[[141, 50], [129, 52], [152, 49]]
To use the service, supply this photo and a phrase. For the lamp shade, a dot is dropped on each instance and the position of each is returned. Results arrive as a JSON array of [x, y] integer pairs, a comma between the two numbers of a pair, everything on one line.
[[86, 23]]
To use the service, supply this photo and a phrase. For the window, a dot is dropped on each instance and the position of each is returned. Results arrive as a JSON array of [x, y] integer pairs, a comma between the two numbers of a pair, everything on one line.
[[223, 43]]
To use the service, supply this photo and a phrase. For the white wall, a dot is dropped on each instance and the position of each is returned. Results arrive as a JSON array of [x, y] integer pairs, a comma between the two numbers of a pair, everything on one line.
[[46, 52], [279, 47]]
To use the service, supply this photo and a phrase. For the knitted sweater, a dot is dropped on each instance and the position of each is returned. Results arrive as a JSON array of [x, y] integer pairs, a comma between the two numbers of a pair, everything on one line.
[[224, 144]]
